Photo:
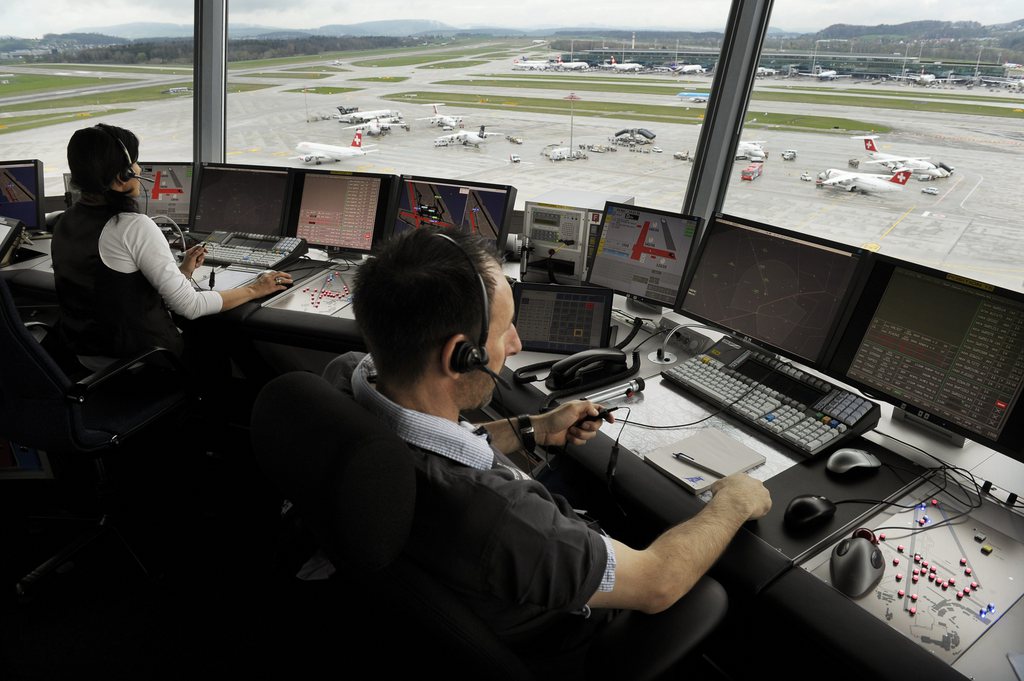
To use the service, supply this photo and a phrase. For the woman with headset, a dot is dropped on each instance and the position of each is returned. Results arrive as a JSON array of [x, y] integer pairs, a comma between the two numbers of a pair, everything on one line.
[[116, 278]]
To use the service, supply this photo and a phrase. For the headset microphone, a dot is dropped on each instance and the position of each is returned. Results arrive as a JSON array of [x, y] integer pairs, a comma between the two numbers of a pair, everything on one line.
[[501, 381]]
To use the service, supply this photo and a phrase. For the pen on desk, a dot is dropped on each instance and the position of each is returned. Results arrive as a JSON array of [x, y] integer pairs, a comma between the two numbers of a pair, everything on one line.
[[689, 460]]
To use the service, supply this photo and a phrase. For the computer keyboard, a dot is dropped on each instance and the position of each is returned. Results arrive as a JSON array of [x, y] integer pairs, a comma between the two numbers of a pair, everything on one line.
[[807, 414], [252, 250]]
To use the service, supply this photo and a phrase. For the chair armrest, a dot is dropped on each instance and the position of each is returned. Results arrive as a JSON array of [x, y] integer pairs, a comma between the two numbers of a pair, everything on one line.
[[36, 325], [80, 389]]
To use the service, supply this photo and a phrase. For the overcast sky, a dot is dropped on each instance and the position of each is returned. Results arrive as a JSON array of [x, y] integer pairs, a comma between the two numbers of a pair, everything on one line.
[[27, 20]]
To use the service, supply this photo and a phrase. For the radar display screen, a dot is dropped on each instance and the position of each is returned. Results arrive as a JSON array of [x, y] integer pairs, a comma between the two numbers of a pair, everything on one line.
[[777, 288]]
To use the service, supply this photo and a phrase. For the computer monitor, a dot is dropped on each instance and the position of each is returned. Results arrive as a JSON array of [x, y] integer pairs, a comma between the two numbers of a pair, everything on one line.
[[21, 192], [642, 252], [785, 291], [941, 347], [340, 211], [170, 191], [238, 198], [470, 207]]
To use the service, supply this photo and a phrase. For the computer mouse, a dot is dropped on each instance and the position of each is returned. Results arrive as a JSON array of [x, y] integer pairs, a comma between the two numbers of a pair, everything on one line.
[[848, 459], [807, 511], [856, 565]]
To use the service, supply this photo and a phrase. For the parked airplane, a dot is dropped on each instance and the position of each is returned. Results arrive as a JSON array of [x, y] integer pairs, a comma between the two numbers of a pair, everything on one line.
[[466, 137], [920, 165], [763, 71], [378, 126], [524, 64], [571, 65], [690, 68], [314, 152], [626, 66], [863, 182], [441, 120], [751, 150], [367, 116], [823, 74], [928, 78], [694, 96]]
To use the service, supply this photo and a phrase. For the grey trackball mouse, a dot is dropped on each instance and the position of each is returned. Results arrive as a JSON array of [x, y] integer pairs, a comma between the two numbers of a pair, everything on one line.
[[856, 566], [848, 459]]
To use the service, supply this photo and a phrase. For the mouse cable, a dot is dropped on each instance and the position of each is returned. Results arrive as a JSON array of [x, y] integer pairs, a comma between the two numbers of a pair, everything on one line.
[[943, 466], [181, 234]]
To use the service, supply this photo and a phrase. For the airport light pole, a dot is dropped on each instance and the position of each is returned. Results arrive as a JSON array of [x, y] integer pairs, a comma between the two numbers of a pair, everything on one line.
[[573, 98]]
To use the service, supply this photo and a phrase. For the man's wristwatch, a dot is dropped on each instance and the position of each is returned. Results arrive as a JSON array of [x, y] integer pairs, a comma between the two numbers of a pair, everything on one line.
[[526, 435]]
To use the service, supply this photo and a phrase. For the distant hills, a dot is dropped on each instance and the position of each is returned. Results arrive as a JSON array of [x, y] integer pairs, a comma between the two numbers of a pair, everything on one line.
[[957, 38]]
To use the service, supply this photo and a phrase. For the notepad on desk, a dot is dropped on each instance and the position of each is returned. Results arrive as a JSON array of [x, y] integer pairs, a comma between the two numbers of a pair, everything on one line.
[[697, 462]]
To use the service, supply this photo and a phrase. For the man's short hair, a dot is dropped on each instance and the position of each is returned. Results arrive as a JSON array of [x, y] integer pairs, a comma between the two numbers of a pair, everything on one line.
[[416, 293]]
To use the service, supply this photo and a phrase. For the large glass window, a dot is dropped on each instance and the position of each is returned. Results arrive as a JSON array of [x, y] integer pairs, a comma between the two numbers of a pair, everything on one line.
[[839, 108], [76, 64], [619, 116]]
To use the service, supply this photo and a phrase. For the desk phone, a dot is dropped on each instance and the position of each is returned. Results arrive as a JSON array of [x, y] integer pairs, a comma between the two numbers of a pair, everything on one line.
[[253, 250]]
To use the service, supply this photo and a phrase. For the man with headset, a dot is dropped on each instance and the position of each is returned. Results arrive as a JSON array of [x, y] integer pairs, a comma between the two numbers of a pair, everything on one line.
[[436, 314]]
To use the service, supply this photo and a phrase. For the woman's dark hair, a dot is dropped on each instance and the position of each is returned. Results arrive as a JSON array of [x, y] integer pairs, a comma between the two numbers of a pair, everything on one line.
[[96, 157], [416, 293]]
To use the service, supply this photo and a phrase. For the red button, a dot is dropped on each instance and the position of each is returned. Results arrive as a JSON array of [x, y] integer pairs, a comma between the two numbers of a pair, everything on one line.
[[895, 562], [967, 590], [945, 585], [899, 577], [935, 502], [931, 576], [932, 568], [959, 595], [974, 585], [967, 571], [914, 579], [881, 537], [951, 580], [917, 557], [913, 597], [899, 547], [913, 610], [916, 572], [963, 561], [900, 593]]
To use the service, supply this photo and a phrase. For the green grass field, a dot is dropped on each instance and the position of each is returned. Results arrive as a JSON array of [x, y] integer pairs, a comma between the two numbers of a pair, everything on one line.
[[305, 75], [638, 112], [97, 102], [451, 64], [167, 70], [829, 97], [325, 90], [29, 83], [383, 79], [19, 123]]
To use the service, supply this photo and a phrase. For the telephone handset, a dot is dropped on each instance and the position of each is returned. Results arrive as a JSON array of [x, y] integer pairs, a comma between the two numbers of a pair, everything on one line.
[[11, 232], [586, 368]]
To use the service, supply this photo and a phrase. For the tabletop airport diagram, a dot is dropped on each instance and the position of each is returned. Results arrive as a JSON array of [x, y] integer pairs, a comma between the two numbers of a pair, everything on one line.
[[943, 587], [766, 288], [467, 210], [326, 293]]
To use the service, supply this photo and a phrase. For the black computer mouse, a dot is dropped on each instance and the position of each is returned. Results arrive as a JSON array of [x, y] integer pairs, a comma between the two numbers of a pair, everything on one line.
[[856, 565], [807, 511], [849, 459]]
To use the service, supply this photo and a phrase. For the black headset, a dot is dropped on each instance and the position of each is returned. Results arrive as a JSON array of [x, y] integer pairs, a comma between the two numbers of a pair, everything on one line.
[[467, 356], [128, 173]]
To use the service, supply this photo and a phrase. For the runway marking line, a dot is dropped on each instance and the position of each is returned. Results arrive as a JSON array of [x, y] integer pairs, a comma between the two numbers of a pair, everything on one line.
[[893, 226]]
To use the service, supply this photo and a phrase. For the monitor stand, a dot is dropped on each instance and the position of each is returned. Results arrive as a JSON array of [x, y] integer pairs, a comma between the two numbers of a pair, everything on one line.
[[899, 414], [645, 309]]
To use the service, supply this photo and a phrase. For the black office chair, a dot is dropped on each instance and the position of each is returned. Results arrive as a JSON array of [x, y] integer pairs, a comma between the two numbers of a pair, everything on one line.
[[42, 408], [353, 484]]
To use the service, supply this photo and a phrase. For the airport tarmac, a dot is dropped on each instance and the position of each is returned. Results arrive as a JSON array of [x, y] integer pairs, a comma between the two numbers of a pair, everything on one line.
[[973, 226]]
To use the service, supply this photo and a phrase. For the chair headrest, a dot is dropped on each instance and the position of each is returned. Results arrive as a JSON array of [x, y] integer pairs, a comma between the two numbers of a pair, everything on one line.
[[347, 474]]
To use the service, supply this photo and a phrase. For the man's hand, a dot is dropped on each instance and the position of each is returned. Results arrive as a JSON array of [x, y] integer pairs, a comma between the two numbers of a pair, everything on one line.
[[569, 423], [745, 493]]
